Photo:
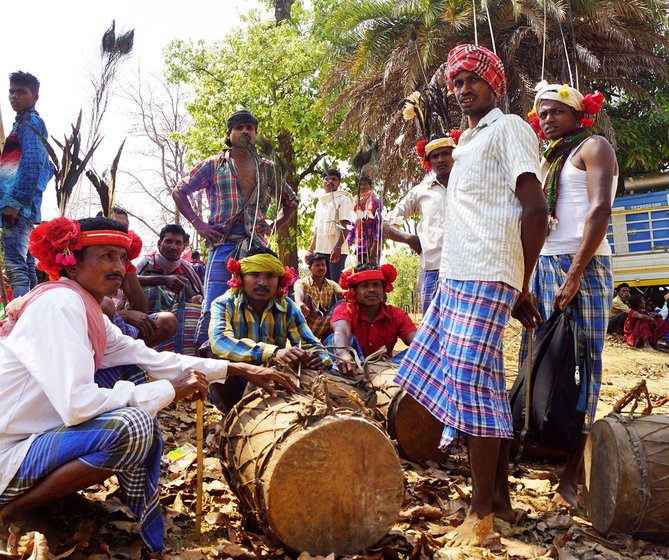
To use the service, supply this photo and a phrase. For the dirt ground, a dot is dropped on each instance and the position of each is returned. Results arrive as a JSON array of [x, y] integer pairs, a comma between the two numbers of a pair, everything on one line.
[[435, 502]]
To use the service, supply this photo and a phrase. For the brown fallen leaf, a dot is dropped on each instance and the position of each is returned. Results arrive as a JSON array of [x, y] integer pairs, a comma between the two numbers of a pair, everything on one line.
[[306, 556], [418, 512], [516, 548]]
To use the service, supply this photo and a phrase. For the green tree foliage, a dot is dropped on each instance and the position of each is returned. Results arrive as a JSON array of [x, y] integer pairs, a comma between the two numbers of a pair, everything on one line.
[[405, 294], [382, 50], [272, 70]]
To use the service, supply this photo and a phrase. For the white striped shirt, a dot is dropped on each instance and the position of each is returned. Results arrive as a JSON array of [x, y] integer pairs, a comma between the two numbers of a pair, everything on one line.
[[481, 212]]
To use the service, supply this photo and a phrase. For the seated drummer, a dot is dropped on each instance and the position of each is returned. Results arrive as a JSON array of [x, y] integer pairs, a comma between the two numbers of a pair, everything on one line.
[[364, 321], [253, 321]]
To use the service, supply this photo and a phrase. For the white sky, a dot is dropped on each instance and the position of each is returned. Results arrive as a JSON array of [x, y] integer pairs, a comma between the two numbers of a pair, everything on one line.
[[59, 42]]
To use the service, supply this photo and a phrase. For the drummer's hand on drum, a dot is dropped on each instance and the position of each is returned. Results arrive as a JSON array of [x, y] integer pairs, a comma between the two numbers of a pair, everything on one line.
[[291, 356], [345, 363], [191, 383], [262, 377], [312, 361]]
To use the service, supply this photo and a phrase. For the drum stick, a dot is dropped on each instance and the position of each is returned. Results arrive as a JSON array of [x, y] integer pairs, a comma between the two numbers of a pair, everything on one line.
[[199, 415]]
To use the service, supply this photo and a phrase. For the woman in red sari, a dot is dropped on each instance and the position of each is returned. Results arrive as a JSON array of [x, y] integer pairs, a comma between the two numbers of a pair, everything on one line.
[[643, 329]]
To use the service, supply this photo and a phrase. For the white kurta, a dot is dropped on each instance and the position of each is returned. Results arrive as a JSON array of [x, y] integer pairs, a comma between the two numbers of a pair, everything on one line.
[[47, 369]]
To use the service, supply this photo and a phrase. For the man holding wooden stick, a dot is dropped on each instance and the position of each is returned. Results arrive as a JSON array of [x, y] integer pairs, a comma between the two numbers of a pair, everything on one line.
[[54, 341]]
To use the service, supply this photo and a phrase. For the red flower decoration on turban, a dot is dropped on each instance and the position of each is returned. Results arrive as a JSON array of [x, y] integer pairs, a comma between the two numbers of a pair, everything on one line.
[[52, 244]]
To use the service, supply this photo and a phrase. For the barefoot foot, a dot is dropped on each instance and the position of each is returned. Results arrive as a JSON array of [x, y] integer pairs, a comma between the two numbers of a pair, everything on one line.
[[473, 530], [566, 496]]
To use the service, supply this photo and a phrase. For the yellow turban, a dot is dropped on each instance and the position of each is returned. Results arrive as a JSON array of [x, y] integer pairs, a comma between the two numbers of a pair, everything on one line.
[[262, 262], [438, 143], [555, 92]]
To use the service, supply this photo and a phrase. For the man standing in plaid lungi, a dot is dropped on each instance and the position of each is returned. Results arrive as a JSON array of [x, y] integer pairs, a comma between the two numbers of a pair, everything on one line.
[[495, 220], [574, 269], [61, 430]]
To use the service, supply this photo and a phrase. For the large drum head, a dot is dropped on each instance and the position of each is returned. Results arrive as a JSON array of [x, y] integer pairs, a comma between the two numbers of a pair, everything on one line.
[[417, 431], [336, 488]]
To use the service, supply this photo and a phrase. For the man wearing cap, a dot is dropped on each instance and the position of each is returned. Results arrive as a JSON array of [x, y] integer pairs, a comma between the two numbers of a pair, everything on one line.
[[427, 200], [574, 269], [333, 218], [240, 187], [495, 220], [54, 340], [255, 319]]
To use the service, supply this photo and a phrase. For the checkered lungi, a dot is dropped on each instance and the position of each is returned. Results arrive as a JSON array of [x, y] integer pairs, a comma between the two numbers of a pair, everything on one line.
[[590, 309], [455, 364], [428, 283], [126, 441]]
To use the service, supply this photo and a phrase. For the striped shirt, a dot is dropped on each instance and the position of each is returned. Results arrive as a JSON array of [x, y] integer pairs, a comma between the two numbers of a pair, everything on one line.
[[482, 214], [427, 200], [237, 333], [227, 207]]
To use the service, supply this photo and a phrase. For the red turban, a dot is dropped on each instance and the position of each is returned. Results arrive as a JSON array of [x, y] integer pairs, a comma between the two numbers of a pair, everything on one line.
[[479, 60]]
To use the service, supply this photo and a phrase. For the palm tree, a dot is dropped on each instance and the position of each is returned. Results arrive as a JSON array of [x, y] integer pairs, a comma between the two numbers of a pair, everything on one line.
[[386, 49]]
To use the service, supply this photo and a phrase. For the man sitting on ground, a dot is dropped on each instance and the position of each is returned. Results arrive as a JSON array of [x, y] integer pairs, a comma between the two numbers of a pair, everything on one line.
[[619, 309], [253, 321], [365, 320], [55, 340], [316, 296], [128, 308], [171, 284]]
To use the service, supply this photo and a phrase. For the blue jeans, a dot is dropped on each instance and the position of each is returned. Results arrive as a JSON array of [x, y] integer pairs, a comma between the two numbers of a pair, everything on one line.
[[19, 263]]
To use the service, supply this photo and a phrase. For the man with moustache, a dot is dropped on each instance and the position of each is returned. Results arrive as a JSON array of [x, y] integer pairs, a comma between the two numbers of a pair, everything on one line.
[[254, 320], [427, 200], [54, 341], [574, 269], [240, 186], [495, 220]]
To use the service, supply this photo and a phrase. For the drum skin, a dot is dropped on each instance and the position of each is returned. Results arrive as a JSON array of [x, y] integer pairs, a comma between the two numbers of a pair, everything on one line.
[[319, 479], [627, 475], [416, 430]]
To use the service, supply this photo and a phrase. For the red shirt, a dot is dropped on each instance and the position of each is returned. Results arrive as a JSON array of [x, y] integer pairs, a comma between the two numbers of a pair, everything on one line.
[[389, 324]]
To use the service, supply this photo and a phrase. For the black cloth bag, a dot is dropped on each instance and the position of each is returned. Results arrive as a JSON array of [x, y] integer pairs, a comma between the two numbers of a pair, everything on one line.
[[560, 383]]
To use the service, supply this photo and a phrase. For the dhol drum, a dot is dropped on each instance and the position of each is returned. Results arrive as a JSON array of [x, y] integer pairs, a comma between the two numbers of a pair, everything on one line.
[[415, 429], [320, 479], [627, 475], [341, 392]]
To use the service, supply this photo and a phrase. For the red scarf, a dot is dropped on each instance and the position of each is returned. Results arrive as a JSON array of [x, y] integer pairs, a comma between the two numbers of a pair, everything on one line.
[[96, 325]]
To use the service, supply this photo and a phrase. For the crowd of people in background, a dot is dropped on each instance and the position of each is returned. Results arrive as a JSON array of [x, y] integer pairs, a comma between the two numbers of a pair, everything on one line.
[[488, 235]]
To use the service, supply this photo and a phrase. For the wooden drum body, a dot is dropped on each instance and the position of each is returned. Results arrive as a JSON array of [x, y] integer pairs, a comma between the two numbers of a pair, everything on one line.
[[415, 429], [321, 480], [627, 475]]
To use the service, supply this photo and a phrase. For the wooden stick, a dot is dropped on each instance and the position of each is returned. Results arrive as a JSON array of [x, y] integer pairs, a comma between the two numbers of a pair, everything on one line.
[[199, 415]]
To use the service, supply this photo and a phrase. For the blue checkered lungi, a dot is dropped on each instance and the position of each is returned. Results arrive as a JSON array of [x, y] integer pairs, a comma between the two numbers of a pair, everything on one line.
[[126, 441], [590, 308], [428, 283], [455, 364]]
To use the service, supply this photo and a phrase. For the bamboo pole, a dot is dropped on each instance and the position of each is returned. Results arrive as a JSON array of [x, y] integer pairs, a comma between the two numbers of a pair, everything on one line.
[[199, 413]]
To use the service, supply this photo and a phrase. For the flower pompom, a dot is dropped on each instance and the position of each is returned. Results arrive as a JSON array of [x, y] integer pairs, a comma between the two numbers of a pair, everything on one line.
[[135, 245], [235, 282], [234, 267], [587, 122], [420, 148], [533, 119], [389, 272], [564, 92], [455, 133], [52, 243], [343, 279], [592, 103], [286, 281]]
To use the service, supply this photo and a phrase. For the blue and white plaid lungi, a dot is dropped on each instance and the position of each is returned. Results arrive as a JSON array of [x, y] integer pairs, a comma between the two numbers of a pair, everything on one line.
[[126, 441], [590, 307], [455, 364], [428, 283]]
